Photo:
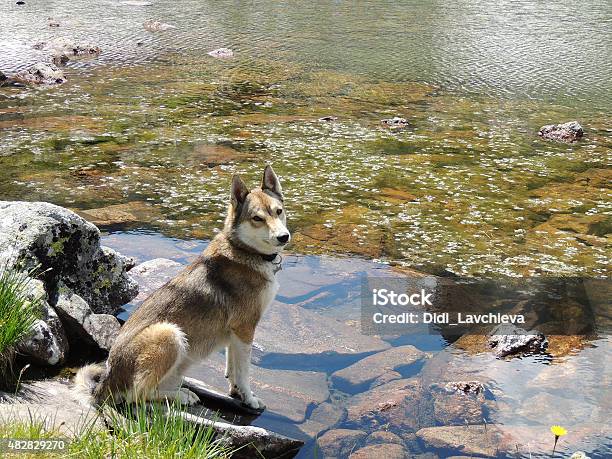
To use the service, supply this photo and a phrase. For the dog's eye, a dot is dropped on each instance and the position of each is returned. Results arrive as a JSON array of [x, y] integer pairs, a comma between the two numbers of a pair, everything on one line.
[[279, 211], [257, 218]]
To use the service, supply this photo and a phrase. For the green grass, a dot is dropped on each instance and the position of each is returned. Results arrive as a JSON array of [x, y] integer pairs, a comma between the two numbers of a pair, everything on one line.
[[150, 431], [17, 314]]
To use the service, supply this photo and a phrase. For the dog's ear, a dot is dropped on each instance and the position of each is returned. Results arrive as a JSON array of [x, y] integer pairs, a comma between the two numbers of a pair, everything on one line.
[[239, 191], [270, 182]]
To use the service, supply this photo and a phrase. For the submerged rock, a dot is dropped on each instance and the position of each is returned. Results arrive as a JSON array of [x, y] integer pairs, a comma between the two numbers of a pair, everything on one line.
[[322, 418], [66, 249], [367, 370], [395, 405], [291, 336], [62, 50], [121, 214], [286, 393], [221, 53], [509, 340], [471, 440], [457, 403], [566, 132], [339, 443], [382, 450], [40, 74], [46, 344], [383, 436], [465, 387]]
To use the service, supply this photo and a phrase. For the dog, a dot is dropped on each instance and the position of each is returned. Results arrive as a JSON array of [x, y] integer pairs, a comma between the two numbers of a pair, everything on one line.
[[214, 302]]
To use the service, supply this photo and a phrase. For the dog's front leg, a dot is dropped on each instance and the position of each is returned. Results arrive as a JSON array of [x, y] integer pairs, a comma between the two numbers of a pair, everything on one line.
[[239, 364]]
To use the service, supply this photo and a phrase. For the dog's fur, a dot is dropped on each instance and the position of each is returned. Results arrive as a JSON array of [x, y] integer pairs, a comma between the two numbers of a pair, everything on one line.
[[214, 302]]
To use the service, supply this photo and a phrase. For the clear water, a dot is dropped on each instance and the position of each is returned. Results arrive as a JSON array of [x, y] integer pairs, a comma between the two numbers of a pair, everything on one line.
[[571, 390]]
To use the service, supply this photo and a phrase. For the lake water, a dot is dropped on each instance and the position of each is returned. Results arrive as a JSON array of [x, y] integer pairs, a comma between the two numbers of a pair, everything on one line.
[[157, 127]]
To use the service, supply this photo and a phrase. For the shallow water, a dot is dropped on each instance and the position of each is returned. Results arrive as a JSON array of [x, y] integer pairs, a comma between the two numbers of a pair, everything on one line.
[[568, 390]]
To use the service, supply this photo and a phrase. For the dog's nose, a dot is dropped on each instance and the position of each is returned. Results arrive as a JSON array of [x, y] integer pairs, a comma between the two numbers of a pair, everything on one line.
[[283, 239]]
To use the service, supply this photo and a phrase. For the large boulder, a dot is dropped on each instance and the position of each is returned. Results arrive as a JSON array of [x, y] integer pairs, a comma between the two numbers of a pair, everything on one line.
[[65, 248], [46, 344]]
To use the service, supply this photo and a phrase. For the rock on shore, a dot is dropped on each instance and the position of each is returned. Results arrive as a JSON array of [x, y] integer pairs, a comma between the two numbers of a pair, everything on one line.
[[65, 248]]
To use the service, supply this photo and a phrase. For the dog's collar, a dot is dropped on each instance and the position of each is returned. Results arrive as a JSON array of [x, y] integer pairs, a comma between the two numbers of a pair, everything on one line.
[[277, 264]]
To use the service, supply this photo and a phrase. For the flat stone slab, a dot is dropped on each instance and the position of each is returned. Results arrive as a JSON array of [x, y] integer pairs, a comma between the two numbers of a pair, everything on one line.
[[287, 393], [290, 336], [366, 371]]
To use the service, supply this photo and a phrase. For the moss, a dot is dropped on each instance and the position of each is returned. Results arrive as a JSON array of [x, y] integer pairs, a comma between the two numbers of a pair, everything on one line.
[[57, 247]]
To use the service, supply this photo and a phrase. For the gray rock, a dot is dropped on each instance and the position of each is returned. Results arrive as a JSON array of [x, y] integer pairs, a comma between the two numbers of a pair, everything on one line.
[[3, 79], [249, 441], [358, 376], [68, 47], [566, 132], [66, 249], [510, 340], [340, 443], [152, 274], [46, 344], [40, 74], [97, 330]]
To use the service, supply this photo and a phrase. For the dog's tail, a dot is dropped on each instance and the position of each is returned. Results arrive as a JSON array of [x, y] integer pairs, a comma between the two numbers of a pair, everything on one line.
[[86, 381]]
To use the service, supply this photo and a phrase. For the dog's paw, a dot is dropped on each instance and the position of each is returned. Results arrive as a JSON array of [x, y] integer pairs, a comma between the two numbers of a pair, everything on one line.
[[186, 397], [254, 402]]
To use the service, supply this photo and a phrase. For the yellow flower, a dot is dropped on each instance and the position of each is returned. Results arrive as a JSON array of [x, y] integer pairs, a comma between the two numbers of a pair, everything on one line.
[[558, 431]]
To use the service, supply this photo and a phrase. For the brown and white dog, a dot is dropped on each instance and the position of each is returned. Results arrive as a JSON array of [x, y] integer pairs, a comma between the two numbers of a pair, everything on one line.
[[215, 302]]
